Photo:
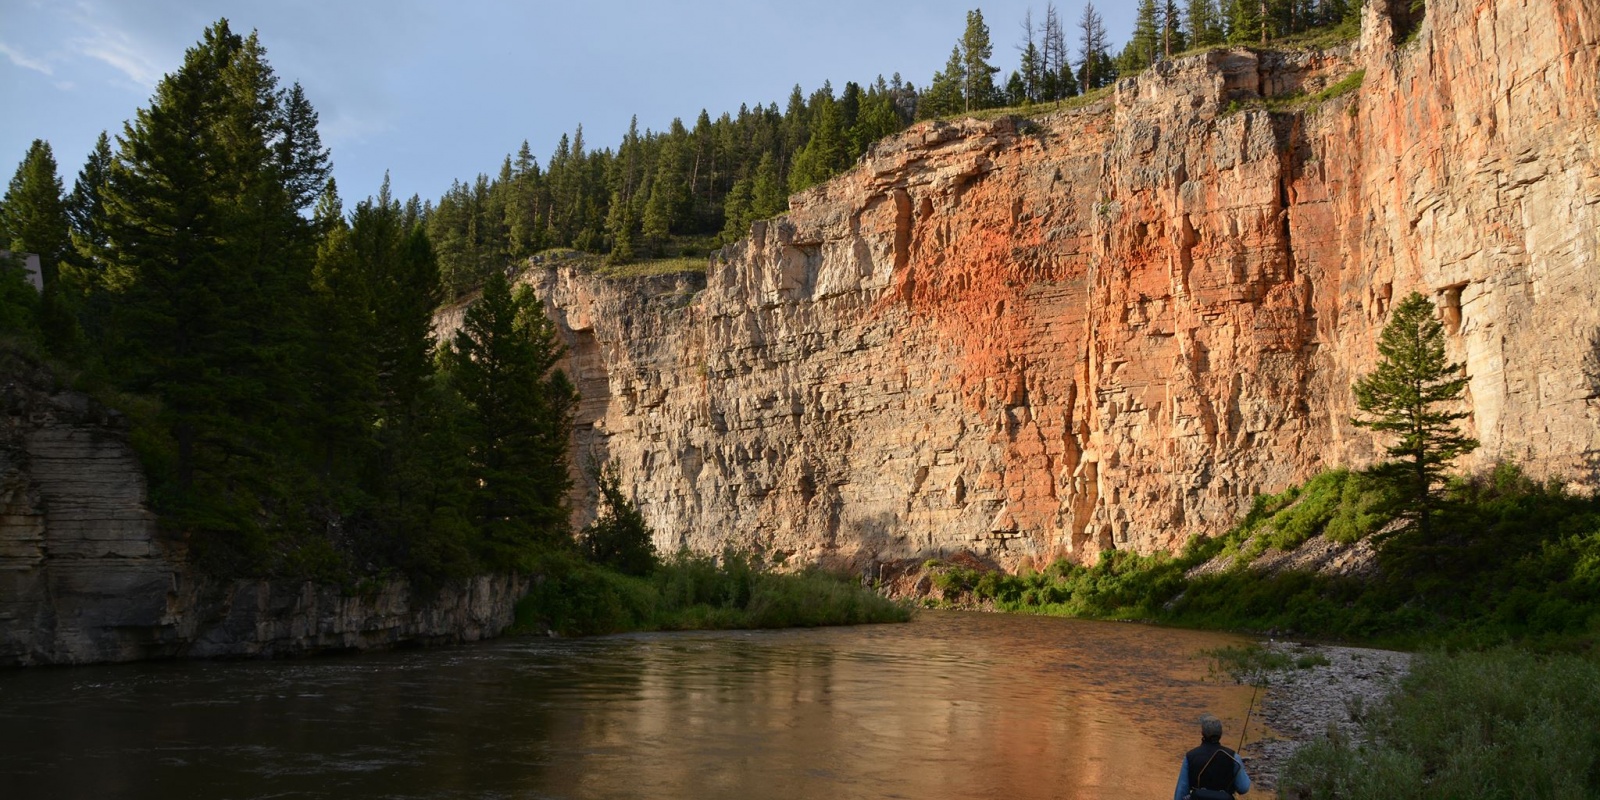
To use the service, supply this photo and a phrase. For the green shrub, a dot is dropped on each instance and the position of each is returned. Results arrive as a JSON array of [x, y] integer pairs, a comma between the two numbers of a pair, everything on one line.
[[1333, 768], [572, 596], [952, 580], [1513, 560], [1499, 724], [1345, 505], [1346, 85], [691, 592], [1246, 662], [811, 599], [1311, 660], [1364, 508], [618, 538]]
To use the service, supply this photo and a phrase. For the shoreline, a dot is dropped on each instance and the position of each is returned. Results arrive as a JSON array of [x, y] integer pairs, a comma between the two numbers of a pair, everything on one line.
[[1300, 704]]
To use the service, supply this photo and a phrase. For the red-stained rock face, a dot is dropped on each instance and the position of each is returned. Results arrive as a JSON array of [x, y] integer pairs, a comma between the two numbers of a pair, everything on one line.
[[1112, 326]]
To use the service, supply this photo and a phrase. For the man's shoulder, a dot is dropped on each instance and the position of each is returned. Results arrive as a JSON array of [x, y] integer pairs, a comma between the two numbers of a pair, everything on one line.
[[1208, 749]]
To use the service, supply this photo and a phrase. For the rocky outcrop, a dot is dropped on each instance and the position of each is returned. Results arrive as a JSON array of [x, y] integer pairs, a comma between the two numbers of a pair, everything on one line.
[[1112, 326], [86, 575], [276, 618]]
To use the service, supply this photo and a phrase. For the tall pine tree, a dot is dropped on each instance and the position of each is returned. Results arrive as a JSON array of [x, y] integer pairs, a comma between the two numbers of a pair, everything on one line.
[[978, 89], [1095, 68], [1407, 395], [1205, 23], [33, 219], [209, 260], [519, 405], [83, 267], [1145, 45], [33, 216], [945, 94], [1247, 21]]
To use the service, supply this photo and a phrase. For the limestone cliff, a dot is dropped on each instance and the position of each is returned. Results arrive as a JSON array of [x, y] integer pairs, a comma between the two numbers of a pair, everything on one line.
[[1111, 326], [86, 575]]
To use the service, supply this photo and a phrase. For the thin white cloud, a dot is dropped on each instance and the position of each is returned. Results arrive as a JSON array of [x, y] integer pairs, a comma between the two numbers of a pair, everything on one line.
[[105, 34], [22, 60], [122, 53]]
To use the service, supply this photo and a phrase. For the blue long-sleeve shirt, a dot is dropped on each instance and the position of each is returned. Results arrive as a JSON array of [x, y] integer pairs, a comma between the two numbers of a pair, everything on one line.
[[1241, 781]]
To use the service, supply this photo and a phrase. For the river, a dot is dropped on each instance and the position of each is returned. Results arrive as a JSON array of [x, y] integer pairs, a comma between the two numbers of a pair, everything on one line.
[[951, 705]]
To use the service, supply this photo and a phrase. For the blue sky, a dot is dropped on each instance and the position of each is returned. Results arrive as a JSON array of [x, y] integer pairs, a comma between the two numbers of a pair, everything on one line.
[[433, 91]]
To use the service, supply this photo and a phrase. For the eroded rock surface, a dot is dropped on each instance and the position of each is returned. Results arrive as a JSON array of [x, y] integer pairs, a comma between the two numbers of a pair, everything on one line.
[[1111, 327]]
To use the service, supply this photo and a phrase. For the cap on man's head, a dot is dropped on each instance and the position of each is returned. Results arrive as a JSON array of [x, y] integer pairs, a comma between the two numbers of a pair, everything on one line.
[[1210, 727]]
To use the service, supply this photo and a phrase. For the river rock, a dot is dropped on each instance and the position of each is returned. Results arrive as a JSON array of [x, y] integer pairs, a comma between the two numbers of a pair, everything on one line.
[[1328, 689]]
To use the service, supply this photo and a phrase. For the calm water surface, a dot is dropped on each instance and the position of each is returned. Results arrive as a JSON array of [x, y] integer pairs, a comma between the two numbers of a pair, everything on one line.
[[951, 705]]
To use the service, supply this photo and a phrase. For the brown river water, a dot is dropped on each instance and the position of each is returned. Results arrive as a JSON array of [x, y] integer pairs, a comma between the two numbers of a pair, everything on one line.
[[951, 705]]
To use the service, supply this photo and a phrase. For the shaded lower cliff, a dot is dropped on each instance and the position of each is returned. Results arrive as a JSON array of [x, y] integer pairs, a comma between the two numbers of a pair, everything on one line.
[[87, 576], [1112, 326]]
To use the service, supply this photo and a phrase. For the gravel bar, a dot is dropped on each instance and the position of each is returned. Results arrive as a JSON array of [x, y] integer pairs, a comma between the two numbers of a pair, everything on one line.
[[1301, 703]]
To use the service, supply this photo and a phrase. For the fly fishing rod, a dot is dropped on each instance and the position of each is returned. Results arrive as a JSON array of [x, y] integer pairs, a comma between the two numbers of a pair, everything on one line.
[[1247, 714]]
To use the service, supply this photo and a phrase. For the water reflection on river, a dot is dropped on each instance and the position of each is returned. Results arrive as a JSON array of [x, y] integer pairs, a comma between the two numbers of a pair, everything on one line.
[[950, 706]]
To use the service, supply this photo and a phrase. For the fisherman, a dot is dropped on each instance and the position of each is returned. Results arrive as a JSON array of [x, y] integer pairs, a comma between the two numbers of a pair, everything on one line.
[[1211, 771]]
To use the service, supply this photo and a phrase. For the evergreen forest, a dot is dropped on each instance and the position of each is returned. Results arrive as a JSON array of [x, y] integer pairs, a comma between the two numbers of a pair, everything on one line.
[[686, 190]]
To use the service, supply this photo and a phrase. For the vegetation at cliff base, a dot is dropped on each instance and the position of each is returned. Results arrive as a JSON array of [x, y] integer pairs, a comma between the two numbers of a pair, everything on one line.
[[615, 581], [618, 538], [1511, 560], [696, 592]]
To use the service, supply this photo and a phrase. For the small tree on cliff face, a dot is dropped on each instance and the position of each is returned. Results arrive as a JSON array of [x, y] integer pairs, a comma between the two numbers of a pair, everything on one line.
[[1403, 396], [619, 538]]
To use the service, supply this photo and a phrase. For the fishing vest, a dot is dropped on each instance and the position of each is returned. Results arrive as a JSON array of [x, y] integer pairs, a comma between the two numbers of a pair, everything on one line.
[[1211, 766]]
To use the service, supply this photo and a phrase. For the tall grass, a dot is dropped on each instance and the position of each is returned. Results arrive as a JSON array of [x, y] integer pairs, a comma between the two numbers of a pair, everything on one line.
[[654, 266], [691, 592], [1498, 724]]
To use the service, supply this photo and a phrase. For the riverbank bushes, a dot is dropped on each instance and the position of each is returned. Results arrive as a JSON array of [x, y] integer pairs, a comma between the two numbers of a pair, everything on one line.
[[1502, 723], [693, 592], [1510, 560]]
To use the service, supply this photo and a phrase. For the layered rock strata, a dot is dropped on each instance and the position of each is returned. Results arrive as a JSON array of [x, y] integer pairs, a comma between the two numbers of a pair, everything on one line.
[[87, 576], [1111, 326]]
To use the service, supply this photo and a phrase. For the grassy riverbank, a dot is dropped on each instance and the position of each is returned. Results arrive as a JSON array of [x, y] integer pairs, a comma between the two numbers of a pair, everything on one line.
[[690, 592], [1503, 723], [1512, 561]]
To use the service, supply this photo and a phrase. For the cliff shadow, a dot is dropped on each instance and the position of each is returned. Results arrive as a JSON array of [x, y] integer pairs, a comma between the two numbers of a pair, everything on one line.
[[1404, 17], [877, 547], [1590, 459]]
